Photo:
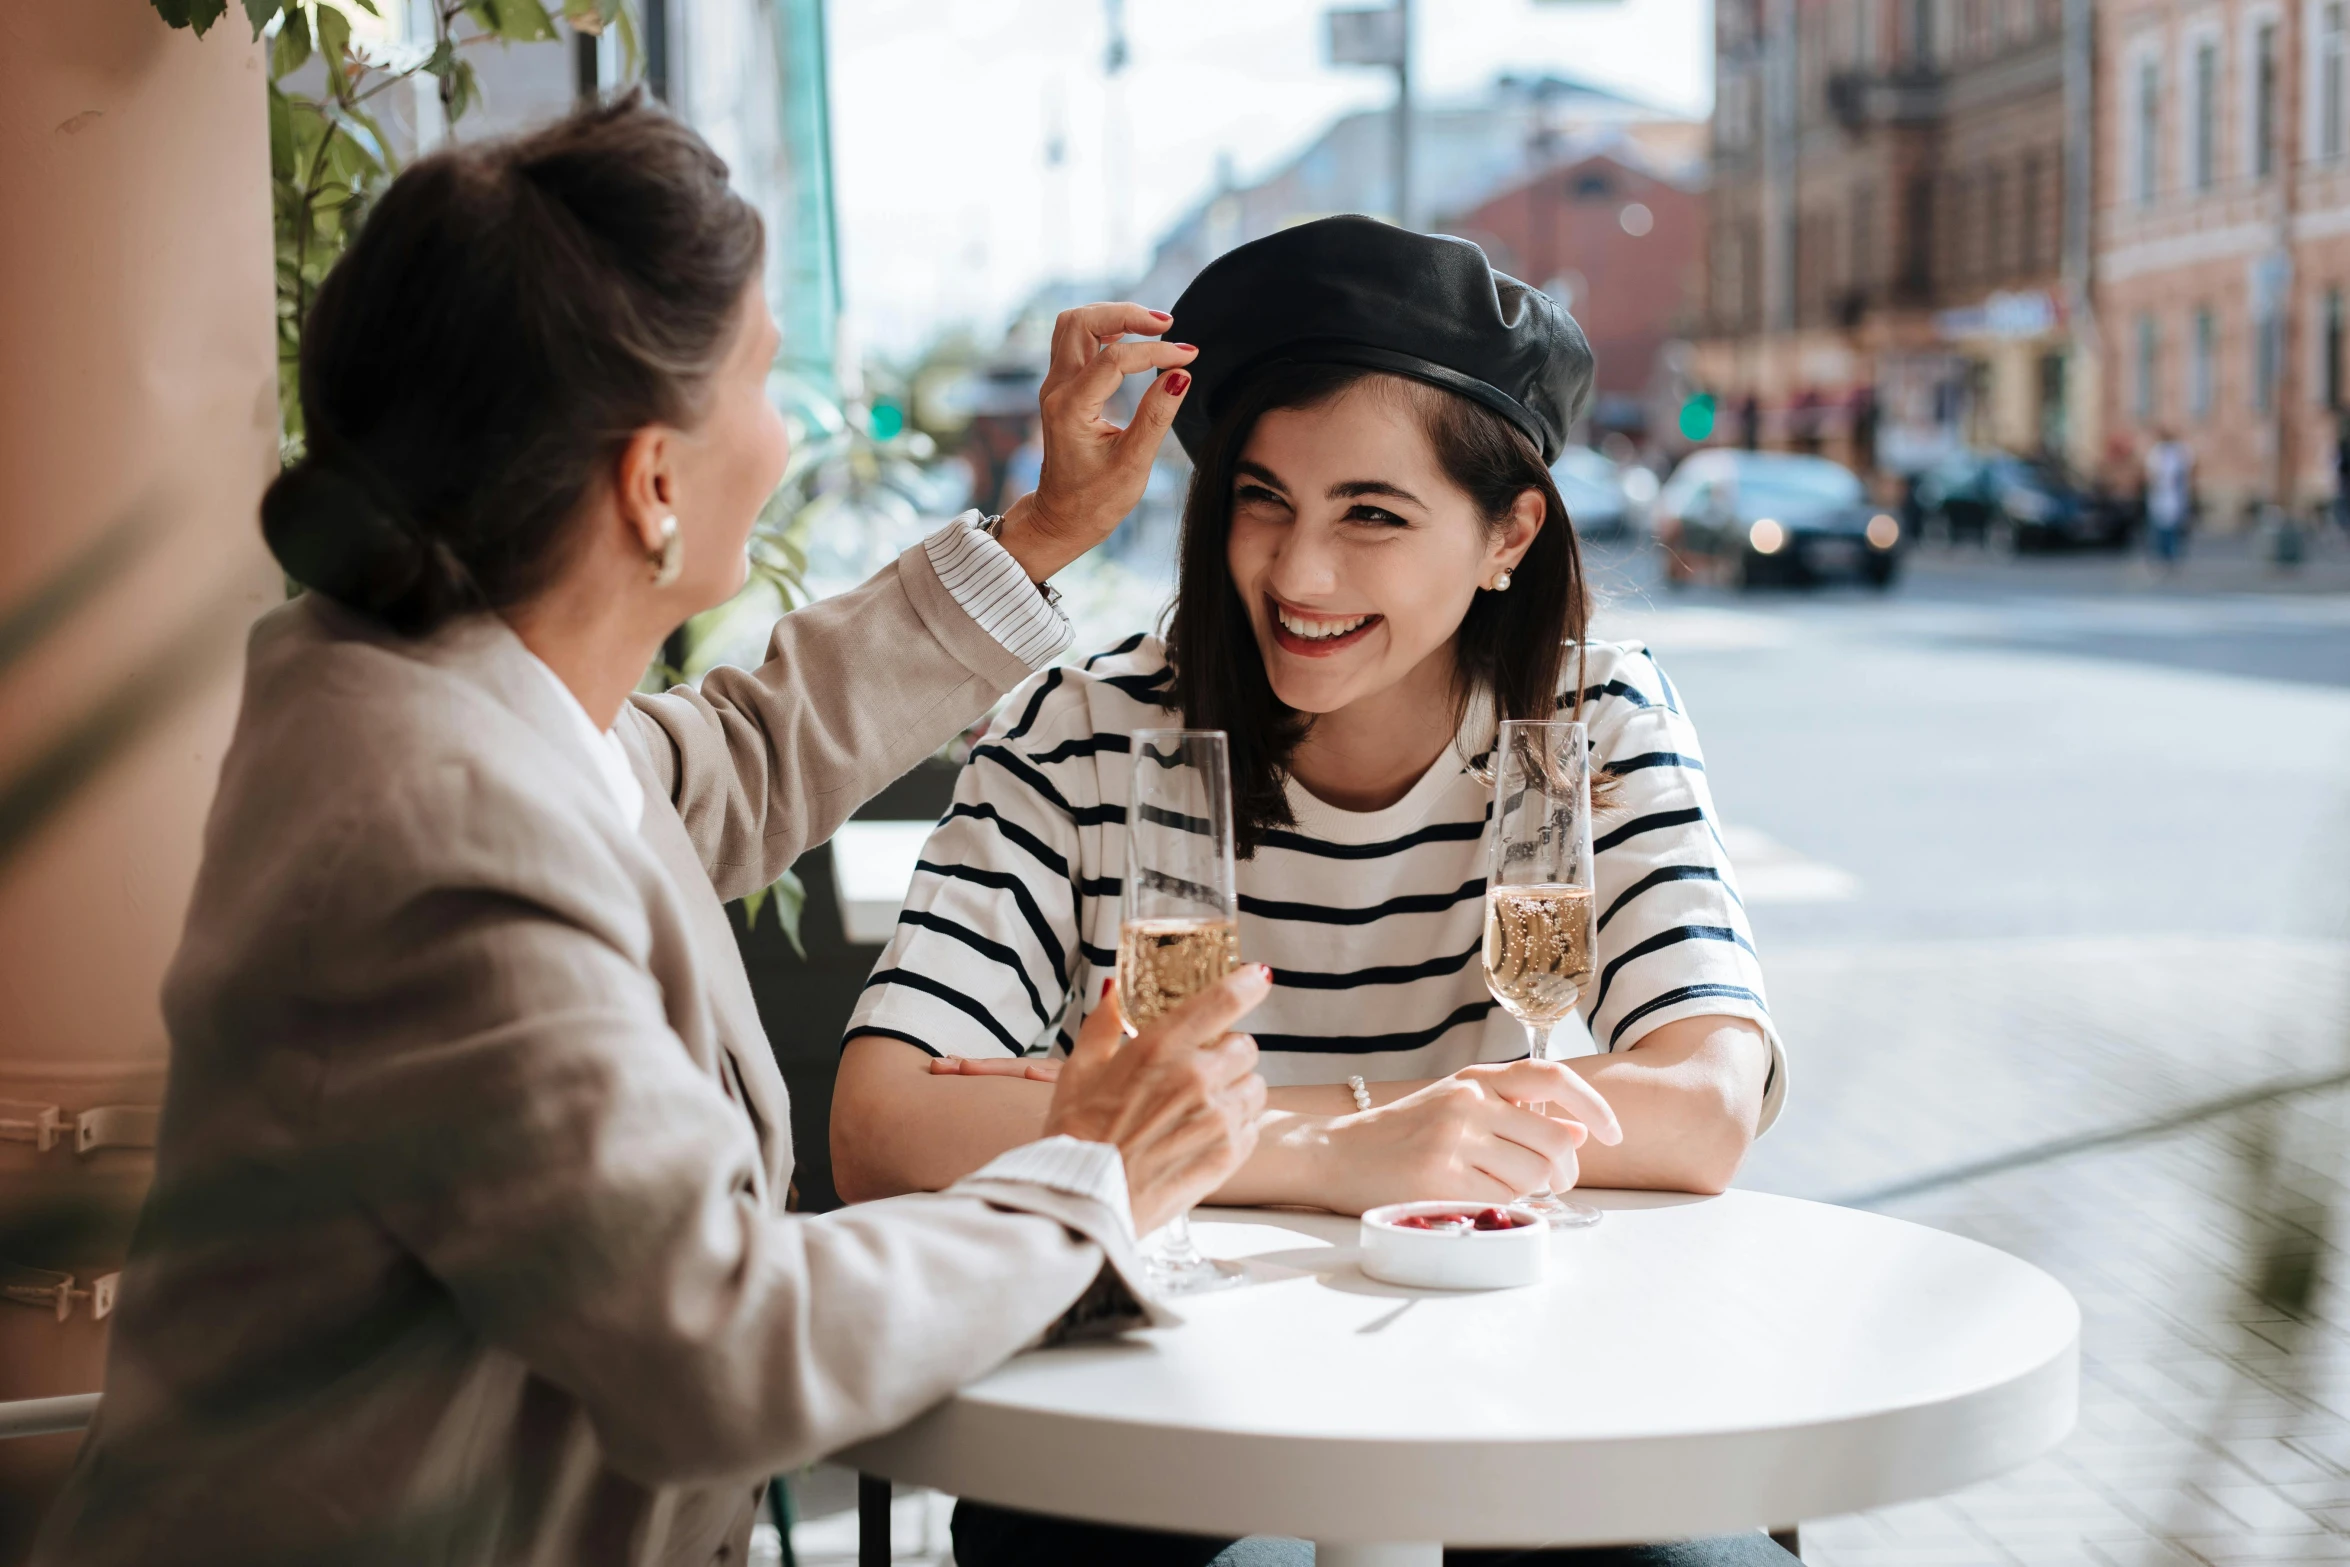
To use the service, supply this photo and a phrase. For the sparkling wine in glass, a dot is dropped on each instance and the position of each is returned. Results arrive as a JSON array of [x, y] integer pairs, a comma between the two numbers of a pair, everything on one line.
[[1179, 931], [1538, 922]]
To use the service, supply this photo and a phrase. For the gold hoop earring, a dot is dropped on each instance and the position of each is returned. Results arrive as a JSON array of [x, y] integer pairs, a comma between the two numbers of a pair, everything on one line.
[[669, 560], [1501, 584]]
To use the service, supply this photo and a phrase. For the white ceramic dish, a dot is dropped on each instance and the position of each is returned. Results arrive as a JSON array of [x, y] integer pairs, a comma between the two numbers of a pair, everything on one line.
[[1453, 1259]]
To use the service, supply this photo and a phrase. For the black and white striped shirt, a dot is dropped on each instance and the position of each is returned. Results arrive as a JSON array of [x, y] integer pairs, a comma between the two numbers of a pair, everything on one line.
[[1372, 921]]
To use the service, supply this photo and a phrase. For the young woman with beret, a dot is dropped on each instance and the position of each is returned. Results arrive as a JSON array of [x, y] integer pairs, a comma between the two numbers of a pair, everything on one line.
[[1375, 568]]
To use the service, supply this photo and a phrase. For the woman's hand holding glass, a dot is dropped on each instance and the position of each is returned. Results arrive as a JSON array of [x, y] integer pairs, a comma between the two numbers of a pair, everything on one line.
[[1094, 470], [1480, 1135], [1180, 1100]]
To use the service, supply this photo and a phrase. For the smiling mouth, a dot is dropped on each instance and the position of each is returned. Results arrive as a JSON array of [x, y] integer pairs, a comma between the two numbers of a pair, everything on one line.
[[1318, 636]]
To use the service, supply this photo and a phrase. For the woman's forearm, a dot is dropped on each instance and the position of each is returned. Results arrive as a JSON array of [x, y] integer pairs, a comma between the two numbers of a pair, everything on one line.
[[898, 1128], [1688, 1097]]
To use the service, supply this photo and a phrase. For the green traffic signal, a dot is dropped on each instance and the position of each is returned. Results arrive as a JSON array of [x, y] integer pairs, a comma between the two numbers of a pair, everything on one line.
[[1697, 417]]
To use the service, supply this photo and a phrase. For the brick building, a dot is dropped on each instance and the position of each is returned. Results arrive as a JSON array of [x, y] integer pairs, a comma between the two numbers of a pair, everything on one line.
[[1621, 242], [2223, 238], [1889, 274]]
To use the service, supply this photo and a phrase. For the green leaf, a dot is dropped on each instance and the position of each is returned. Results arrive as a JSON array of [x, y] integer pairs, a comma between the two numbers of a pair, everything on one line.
[[258, 12], [466, 92], [334, 36], [516, 21], [281, 136], [632, 54], [790, 897], [290, 48]]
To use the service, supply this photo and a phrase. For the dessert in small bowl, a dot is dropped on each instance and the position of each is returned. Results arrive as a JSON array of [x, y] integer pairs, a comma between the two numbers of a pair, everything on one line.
[[1455, 1245]]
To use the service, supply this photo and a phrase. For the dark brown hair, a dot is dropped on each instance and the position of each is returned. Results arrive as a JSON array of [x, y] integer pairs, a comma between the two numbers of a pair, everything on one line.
[[510, 314], [1514, 644]]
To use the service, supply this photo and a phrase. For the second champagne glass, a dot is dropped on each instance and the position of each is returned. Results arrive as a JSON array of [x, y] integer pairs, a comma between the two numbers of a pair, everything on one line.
[[1179, 931], [1538, 934]]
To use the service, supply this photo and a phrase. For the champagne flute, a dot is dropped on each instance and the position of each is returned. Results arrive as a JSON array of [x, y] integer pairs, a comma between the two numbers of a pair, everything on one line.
[[1538, 935], [1179, 931]]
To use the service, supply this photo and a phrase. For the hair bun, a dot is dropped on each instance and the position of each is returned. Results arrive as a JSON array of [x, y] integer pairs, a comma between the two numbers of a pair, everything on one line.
[[334, 531]]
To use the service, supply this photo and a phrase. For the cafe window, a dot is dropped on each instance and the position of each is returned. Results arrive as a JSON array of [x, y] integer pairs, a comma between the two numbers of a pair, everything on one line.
[[2146, 391], [2202, 364]]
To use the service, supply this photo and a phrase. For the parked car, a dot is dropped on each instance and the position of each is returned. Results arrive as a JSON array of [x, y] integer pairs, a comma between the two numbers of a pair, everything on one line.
[[2010, 503], [1594, 492], [1757, 517]]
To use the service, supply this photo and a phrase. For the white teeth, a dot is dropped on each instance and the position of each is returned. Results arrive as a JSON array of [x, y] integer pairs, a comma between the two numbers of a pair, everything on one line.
[[1317, 630]]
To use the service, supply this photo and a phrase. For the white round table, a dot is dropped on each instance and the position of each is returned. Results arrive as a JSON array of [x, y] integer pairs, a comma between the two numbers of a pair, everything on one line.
[[1692, 1366]]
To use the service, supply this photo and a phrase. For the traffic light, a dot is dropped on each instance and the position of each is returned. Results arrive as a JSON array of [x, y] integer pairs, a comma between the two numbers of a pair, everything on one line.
[[1697, 417]]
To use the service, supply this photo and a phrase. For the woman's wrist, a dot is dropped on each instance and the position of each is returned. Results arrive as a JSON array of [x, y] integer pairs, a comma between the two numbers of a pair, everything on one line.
[[1032, 538]]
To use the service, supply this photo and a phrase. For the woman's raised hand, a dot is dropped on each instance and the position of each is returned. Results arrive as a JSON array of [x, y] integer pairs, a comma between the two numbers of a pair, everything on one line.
[[1093, 470], [1180, 1101], [1471, 1137]]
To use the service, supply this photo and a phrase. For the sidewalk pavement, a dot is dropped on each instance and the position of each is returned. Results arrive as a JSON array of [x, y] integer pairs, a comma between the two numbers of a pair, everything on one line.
[[2108, 1109]]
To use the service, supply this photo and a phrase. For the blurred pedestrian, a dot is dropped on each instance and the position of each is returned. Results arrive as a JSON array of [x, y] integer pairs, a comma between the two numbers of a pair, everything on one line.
[[2342, 469], [2170, 495], [468, 1241]]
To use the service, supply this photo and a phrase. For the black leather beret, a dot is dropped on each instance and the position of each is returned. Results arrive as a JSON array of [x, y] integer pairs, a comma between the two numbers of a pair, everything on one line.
[[1356, 291]]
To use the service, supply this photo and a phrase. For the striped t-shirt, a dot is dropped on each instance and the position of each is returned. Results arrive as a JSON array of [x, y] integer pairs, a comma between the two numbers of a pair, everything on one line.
[[1372, 921]]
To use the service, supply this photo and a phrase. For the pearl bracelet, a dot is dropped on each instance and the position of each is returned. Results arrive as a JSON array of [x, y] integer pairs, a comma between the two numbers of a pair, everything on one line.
[[1362, 1094]]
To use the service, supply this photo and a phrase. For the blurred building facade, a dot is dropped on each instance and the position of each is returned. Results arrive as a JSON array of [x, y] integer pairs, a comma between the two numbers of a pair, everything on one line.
[[1619, 239], [1893, 269], [1463, 152], [2223, 238]]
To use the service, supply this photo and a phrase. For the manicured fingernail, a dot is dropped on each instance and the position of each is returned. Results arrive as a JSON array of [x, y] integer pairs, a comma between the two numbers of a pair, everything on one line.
[[1263, 972], [1176, 382], [1105, 995], [1189, 348], [1161, 315]]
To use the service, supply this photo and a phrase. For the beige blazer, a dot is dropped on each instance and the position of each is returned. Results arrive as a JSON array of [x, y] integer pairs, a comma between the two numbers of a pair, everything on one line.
[[467, 1243]]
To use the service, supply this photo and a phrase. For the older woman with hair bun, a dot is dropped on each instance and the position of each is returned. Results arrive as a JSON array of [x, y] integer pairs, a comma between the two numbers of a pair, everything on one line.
[[468, 1241]]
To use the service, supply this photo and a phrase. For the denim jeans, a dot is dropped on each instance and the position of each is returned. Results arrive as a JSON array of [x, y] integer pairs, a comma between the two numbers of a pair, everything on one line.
[[998, 1537]]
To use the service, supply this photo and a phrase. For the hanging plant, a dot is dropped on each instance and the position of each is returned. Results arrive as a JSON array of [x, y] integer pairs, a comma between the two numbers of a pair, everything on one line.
[[328, 154]]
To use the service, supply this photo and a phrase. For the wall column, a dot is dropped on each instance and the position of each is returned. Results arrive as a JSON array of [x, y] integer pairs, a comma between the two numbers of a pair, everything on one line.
[[138, 424]]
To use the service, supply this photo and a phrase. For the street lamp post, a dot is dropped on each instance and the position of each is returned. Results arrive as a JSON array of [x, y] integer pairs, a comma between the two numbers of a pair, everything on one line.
[[1382, 36]]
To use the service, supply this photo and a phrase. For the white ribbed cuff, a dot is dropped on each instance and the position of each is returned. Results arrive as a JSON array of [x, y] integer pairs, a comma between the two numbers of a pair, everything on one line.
[[1064, 1164], [993, 590]]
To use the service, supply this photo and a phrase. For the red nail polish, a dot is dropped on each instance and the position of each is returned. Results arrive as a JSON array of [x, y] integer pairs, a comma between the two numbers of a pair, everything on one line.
[[1175, 382], [1189, 348]]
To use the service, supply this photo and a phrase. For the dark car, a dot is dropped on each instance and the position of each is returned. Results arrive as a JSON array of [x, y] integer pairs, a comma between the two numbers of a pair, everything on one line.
[[2010, 503], [1594, 492], [1757, 517]]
